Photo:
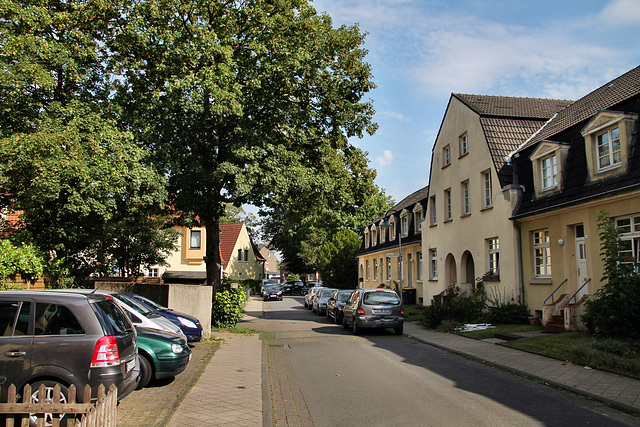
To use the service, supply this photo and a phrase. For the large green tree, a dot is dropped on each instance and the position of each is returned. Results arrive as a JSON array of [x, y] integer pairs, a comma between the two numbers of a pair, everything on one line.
[[66, 165], [337, 262], [245, 102]]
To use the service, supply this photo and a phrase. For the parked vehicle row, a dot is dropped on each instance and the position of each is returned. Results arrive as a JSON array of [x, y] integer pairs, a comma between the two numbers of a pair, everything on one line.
[[87, 337], [358, 309]]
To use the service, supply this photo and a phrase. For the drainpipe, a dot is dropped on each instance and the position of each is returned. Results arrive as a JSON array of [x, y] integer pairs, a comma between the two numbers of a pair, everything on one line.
[[515, 223]]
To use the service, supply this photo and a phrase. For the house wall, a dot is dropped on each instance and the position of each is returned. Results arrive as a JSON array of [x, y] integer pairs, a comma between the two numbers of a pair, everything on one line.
[[186, 258], [410, 255], [561, 224], [240, 269], [461, 245]]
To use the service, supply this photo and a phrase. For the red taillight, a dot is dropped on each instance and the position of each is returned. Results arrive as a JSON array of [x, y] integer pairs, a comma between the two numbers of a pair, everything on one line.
[[105, 353], [360, 312], [402, 312]]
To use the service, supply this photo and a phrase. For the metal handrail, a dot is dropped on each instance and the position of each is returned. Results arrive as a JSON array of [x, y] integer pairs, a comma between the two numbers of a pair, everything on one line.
[[573, 297], [551, 296]]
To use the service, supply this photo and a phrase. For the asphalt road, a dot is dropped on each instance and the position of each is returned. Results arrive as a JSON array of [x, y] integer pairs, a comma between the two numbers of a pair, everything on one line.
[[320, 375]]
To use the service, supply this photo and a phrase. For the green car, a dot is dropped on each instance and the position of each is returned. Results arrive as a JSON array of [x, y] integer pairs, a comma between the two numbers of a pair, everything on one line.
[[162, 354]]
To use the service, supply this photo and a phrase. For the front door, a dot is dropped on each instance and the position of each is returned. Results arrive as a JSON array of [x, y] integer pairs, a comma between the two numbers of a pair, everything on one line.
[[581, 260]]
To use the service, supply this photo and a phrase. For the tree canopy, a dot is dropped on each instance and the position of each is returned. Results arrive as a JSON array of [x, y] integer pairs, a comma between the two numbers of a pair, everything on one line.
[[337, 261], [245, 102]]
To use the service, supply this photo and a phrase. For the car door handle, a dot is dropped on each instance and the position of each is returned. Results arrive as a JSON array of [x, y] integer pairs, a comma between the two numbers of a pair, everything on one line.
[[15, 353]]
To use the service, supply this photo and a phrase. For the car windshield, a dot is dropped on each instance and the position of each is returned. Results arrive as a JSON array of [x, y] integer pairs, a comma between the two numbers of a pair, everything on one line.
[[326, 293], [381, 298], [153, 304], [272, 287], [343, 296], [135, 305]]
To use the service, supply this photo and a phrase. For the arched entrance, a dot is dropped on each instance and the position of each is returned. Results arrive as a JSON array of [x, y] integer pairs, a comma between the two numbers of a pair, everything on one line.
[[450, 272], [468, 271]]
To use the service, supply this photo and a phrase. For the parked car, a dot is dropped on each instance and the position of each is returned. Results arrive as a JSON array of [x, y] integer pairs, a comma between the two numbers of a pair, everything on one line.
[[266, 282], [272, 292], [319, 304], [373, 308], [310, 285], [293, 287], [189, 325], [138, 313], [336, 303], [308, 297], [60, 338], [162, 354]]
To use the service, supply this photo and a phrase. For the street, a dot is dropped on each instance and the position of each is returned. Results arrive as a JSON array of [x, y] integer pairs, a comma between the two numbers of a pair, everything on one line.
[[319, 374]]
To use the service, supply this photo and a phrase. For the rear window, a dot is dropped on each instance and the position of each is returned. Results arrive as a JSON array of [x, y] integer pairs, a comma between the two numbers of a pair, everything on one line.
[[111, 317], [325, 293], [381, 298], [343, 296]]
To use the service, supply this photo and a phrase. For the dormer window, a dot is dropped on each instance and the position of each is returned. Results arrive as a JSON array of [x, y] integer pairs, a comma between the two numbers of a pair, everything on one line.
[[404, 223], [374, 236], [392, 228], [383, 234], [548, 162], [607, 139], [609, 153], [366, 238], [418, 217]]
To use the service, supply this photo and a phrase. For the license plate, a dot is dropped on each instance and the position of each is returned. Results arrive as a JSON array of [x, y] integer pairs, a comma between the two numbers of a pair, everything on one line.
[[130, 365], [384, 311]]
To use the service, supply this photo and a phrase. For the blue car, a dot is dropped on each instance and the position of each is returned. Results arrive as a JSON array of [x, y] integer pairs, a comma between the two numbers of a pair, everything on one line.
[[189, 324]]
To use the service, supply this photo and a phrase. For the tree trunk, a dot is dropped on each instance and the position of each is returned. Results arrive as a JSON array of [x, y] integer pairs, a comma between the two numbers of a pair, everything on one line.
[[212, 257]]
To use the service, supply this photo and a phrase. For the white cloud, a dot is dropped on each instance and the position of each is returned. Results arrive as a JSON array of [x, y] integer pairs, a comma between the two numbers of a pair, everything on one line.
[[386, 159], [622, 12], [394, 115]]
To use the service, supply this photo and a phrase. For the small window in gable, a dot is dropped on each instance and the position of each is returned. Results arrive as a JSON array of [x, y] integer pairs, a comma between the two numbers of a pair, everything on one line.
[[383, 232], [366, 238], [446, 156], [374, 236], [548, 161], [392, 228], [607, 139], [464, 144], [404, 223], [418, 217]]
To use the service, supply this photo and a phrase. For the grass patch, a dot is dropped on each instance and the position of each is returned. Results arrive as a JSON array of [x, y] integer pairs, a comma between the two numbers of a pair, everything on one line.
[[235, 330], [500, 329], [559, 346], [413, 312]]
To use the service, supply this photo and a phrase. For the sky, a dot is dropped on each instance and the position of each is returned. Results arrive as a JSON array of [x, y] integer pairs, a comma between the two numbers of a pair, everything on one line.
[[422, 51]]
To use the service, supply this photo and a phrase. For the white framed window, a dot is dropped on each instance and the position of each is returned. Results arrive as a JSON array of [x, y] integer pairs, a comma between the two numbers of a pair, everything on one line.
[[195, 239], [466, 201], [367, 243], [446, 156], [542, 253], [464, 144], [630, 239], [433, 264], [374, 237], [549, 171], [418, 217], [375, 269], [368, 271], [609, 149], [447, 205], [487, 192], [419, 256], [404, 224], [388, 268], [382, 234], [153, 272], [493, 256], [434, 212]]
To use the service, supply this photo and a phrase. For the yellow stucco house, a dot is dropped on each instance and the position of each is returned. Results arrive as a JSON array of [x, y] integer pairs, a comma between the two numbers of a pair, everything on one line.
[[241, 259]]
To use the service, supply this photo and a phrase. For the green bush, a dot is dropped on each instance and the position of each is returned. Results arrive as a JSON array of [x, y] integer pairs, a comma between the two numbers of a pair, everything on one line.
[[228, 308], [508, 314], [454, 307], [613, 312]]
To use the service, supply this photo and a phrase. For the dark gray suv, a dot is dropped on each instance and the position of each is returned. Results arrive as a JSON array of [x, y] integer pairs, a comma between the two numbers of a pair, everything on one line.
[[373, 308], [62, 338]]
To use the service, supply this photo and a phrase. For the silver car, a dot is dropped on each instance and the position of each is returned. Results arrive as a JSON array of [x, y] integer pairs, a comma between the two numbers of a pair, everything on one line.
[[309, 296], [373, 309], [319, 304]]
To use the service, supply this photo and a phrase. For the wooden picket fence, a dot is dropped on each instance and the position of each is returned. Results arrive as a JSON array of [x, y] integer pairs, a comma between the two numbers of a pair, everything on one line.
[[103, 413]]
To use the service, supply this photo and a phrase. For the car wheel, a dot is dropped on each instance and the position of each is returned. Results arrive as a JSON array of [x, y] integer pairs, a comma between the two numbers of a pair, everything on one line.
[[336, 318], [356, 329], [49, 385], [398, 331], [145, 372]]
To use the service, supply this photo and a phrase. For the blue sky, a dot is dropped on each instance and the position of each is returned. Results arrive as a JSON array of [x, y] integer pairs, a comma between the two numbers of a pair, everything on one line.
[[421, 51]]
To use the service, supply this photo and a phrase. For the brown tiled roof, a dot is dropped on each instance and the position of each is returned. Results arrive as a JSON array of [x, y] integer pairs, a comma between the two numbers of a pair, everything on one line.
[[411, 200], [612, 93], [514, 107], [229, 234]]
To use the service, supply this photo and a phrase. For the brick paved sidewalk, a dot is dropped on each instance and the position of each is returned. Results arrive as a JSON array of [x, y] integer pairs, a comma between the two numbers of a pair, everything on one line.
[[154, 405]]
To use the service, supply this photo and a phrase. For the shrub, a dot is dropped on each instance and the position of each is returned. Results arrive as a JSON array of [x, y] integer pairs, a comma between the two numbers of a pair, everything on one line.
[[227, 308], [613, 312], [511, 313], [454, 307]]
